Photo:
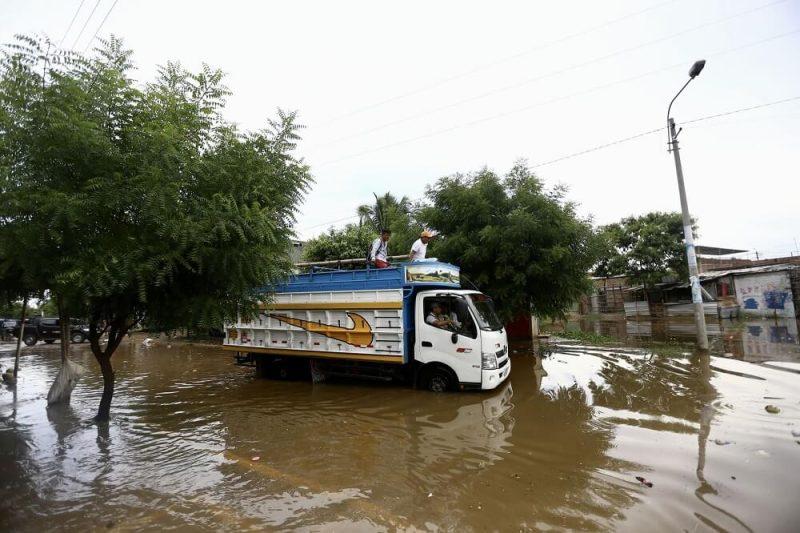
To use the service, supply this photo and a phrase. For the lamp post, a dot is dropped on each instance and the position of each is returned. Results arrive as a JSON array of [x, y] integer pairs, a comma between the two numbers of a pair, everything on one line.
[[691, 257]]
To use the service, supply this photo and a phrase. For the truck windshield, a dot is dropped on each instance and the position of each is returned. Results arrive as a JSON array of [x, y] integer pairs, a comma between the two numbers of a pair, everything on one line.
[[484, 309]]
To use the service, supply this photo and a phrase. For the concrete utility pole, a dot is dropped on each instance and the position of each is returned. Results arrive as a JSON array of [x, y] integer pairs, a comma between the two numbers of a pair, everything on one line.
[[691, 257]]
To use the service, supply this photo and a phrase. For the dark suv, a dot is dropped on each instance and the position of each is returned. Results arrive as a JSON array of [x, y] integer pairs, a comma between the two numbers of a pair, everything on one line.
[[49, 330]]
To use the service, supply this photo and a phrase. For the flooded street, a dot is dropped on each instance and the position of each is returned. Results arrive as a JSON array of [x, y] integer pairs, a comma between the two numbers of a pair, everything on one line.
[[197, 442]]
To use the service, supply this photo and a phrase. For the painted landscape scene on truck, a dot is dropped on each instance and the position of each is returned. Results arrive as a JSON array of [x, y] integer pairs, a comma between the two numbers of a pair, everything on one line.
[[433, 273]]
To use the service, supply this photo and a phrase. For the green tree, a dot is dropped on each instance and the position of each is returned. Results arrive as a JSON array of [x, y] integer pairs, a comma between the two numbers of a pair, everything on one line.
[[351, 242], [176, 216], [519, 242], [647, 248], [398, 215]]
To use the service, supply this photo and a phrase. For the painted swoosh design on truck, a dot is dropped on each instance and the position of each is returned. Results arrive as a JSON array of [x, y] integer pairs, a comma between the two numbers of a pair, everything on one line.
[[359, 335]]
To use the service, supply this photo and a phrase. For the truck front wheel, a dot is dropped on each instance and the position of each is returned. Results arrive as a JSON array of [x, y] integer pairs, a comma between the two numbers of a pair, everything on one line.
[[78, 338], [439, 380], [29, 340]]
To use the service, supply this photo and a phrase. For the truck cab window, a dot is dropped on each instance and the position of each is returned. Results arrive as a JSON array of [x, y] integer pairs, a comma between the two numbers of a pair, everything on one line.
[[451, 314]]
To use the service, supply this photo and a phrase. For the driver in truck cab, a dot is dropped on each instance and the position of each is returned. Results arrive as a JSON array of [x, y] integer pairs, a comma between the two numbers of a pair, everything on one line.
[[438, 318]]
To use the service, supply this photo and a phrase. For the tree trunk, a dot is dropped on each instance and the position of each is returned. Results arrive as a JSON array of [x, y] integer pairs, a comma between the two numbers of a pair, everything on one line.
[[104, 412], [21, 334], [117, 329], [69, 373], [63, 321]]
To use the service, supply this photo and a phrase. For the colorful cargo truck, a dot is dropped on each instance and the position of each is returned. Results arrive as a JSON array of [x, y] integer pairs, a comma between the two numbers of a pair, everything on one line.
[[379, 323]]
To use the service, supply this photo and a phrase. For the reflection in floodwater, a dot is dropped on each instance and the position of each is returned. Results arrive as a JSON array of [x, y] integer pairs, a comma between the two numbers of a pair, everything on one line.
[[752, 339], [197, 442]]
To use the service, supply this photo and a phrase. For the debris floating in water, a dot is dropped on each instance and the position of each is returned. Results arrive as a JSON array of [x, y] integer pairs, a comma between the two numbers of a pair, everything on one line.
[[720, 442], [774, 409], [255, 458], [643, 481]]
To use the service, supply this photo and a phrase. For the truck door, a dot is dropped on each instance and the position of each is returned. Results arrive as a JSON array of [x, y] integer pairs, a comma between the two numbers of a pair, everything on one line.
[[435, 343]]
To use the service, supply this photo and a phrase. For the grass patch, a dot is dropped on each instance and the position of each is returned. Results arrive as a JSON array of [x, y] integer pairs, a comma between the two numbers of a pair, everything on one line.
[[588, 337]]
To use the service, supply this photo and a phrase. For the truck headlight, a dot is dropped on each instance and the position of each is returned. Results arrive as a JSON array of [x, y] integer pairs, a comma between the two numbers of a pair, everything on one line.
[[488, 361]]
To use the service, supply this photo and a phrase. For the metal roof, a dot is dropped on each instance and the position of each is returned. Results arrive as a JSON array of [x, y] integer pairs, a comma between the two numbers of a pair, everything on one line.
[[716, 250], [780, 267]]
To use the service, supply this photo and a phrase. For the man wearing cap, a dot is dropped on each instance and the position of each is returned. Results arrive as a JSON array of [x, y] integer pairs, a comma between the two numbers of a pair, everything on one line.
[[420, 246], [379, 251]]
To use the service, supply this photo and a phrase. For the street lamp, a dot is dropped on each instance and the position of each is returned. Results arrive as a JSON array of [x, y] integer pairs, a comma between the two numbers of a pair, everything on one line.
[[691, 257]]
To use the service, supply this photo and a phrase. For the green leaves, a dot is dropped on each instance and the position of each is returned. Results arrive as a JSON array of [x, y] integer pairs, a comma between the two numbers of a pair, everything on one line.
[[348, 243], [520, 243], [141, 202], [647, 248]]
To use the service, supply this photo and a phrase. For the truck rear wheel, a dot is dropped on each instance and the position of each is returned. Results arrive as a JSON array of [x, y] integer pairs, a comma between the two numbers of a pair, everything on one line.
[[439, 380], [78, 338]]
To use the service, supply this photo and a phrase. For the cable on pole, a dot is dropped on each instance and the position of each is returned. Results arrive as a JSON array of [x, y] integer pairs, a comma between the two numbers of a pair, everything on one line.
[[71, 22], [500, 61], [75, 42], [650, 132], [551, 74], [100, 26], [618, 141]]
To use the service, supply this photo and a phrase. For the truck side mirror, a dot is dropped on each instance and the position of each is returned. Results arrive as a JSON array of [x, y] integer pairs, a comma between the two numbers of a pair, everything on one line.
[[454, 338]]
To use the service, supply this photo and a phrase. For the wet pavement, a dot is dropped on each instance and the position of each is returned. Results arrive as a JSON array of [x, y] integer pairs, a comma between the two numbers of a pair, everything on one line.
[[198, 443]]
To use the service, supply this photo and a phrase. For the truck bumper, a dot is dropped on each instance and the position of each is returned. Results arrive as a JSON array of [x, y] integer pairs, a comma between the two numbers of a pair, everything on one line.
[[491, 379]]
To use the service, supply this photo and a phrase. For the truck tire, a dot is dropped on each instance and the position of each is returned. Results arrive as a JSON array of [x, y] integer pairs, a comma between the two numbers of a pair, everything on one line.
[[49, 341], [77, 338], [29, 339], [439, 379]]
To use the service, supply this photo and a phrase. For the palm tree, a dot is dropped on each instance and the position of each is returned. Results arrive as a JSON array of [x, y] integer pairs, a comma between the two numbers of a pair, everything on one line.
[[384, 211]]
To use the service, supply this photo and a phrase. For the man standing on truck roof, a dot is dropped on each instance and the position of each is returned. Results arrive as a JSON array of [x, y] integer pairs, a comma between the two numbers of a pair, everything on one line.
[[379, 251], [420, 246]]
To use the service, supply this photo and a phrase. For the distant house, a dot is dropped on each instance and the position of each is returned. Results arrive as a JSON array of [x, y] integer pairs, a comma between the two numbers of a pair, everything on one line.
[[297, 251], [608, 295], [767, 291], [770, 290]]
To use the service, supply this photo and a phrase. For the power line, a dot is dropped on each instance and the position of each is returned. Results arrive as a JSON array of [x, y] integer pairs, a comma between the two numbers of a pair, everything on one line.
[[330, 222], [614, 143], [500, 61], [565, 70], [541, 103], [793, 98], [100, 26], [85, 23], [598, 147], [656, 130], [71, 22]]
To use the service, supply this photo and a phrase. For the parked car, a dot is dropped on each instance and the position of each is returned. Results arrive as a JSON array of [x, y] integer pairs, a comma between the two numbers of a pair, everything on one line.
[[7, 326], [49, 330]]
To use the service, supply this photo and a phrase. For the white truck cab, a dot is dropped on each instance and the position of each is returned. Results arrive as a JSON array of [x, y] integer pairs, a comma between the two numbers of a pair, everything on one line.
[[474, 346]]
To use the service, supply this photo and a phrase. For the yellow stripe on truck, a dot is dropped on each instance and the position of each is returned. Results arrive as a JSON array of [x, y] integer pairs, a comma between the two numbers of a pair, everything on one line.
[[314, 353], [324, 306]]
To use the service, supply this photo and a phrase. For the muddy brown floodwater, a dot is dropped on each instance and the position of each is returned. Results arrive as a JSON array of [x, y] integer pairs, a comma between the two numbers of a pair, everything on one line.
[[198, 443]]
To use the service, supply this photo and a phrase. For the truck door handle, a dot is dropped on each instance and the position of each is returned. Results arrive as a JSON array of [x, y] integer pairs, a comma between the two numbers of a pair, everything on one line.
[[426, 344]]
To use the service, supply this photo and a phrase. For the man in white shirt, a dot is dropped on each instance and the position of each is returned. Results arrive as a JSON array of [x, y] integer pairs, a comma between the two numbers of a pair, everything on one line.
[[379, 251], [420, 246], [439, 318]]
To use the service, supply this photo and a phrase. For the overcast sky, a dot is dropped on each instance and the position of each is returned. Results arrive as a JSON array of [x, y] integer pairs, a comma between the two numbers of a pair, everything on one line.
[[395, 95]]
